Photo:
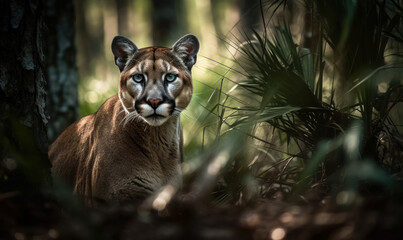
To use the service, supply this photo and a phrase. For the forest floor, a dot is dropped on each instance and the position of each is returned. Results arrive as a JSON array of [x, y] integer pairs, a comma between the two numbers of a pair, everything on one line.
[[365, 218]]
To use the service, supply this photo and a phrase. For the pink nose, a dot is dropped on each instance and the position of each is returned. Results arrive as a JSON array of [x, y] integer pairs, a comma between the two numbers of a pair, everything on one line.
[[154, 102]]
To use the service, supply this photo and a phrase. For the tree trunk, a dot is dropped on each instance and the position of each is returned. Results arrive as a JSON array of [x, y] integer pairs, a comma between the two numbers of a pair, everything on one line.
[[24, 143], [164, 22], [62, 101], [250, 15], [90, 36], [123, 12]]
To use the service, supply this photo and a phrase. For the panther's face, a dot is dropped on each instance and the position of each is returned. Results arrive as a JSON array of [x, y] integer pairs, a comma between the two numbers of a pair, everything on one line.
[[155, 82]]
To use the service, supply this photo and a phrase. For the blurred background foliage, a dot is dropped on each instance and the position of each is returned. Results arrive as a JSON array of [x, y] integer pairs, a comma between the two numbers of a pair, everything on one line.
[[280, 87]]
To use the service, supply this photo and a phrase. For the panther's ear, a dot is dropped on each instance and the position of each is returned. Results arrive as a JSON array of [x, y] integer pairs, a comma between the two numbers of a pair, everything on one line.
[[187, 47], [122, 49]]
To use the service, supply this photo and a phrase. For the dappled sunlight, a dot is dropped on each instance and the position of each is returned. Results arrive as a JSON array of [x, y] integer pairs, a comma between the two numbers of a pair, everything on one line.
[[278, 234], [163, 197], [10, 164], [345, 197], [92, 97], [217, 164], [209, 176], [352, 142]]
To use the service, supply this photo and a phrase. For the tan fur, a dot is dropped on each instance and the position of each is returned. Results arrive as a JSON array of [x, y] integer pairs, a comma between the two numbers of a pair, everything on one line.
[[114, 154]]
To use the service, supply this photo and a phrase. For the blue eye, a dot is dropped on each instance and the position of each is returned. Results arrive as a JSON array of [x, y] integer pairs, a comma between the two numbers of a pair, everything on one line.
[[138, 78], [170, 77]]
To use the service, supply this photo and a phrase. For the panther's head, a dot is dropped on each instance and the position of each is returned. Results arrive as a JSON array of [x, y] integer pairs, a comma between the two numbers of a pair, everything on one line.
[[155, 82]]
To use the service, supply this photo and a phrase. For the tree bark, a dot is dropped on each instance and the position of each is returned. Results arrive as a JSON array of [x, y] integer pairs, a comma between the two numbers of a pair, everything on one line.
[[61, 67], [24, 164]]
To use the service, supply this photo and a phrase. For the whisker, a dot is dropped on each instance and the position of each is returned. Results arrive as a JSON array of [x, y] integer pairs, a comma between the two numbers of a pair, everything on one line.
[[130, 117], [123, 111], [178, 110]]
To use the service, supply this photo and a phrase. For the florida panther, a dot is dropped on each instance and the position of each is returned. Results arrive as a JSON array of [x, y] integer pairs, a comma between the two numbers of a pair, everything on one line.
[[132, 146]]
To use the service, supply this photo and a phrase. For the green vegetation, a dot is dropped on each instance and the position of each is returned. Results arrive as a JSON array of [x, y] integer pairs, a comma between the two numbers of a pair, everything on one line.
[[290, 115]]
